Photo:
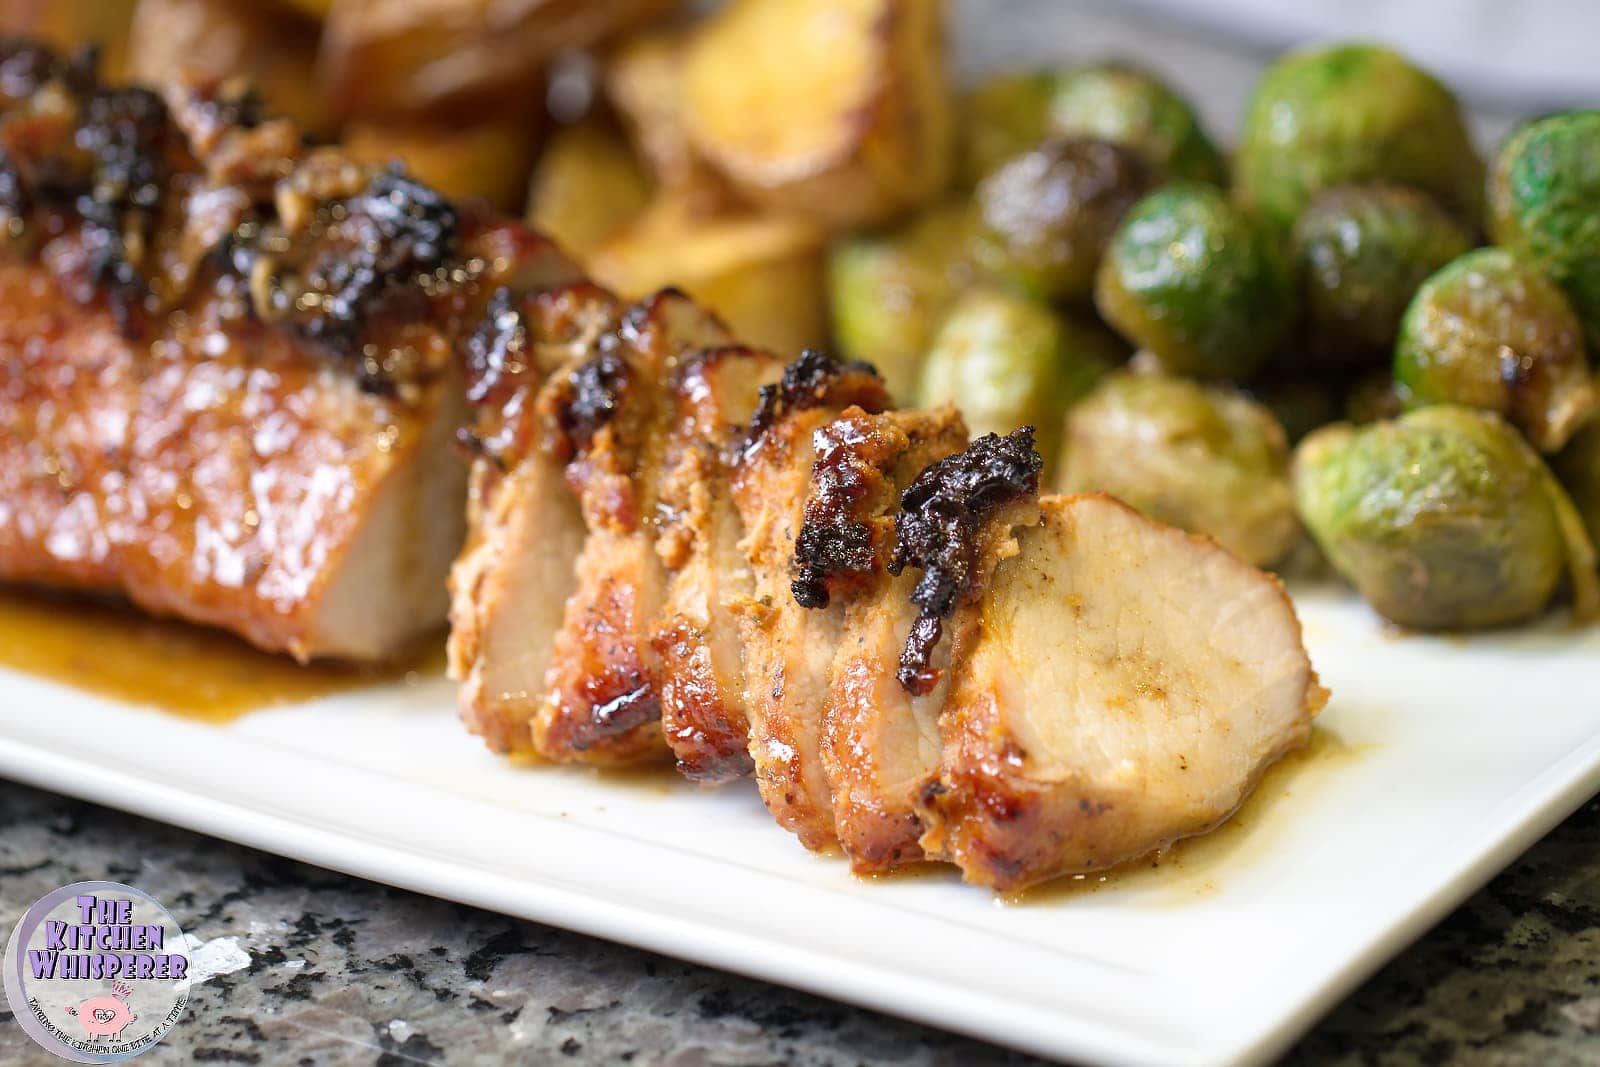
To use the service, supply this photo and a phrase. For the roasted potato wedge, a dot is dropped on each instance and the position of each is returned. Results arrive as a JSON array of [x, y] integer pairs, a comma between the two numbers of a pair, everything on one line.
[[70, 24], [763, 275], [643, 81], [213, 40], [587, 185], [491, 159], [837, 110], [409, 58]]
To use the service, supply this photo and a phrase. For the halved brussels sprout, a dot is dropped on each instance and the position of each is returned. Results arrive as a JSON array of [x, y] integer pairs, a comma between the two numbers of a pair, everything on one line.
[[1545, 202], [1353, 113], [889, 291], [1205, 458], [1010, 361], [1492, 331], [1362, 251], [1047, 214], [1197, 282], [1002, 117], [1132, 107], [1444, 519]]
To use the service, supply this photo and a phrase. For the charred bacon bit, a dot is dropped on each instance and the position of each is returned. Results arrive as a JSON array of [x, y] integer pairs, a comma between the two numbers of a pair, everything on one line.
[[349, 260], [497, 350], [813, 380], [836, 546], [27, 66], [362, 256], [593, 393], [125, 132], [942, 513]]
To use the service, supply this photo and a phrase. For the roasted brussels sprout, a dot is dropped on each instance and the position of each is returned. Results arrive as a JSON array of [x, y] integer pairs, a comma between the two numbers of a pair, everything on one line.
[[1443, 519], [1001, 118], [887, 292], [1491, 331], [1578, 467], [1353, 113], [1047, 214], [1545, 202], [1010, 361], [1198, 283], [1123, 104], [1206, 458], [1361, 252]]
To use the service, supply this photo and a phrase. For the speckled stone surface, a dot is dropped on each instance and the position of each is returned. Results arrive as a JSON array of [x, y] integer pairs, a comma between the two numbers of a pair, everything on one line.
[[337, 970]]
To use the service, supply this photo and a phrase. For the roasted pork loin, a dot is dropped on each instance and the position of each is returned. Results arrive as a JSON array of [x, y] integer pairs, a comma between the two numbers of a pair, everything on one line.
[[227, 385]]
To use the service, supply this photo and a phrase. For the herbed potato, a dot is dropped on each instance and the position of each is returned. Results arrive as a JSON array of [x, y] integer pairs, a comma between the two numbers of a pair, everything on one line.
[[838, 110], [586, 186], [214, 40], [643, 81], [762, 274], [490, 159], [403, 59]]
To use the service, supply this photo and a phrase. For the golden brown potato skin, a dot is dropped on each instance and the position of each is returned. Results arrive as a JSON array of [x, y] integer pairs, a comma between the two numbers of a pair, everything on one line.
[[836, 110], [490, 159], [644, 82], [763, 275], [214, 40], [70, 24], [586, 186], [409, 58]]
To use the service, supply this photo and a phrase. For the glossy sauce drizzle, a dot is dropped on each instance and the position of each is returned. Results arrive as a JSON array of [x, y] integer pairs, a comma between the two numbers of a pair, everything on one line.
[[115, 651]]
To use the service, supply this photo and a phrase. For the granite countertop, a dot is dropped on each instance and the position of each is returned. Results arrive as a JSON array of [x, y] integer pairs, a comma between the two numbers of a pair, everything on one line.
[[316, 967]]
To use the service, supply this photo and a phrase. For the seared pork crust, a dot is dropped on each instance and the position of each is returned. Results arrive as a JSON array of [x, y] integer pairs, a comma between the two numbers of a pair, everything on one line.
[[227, 363]]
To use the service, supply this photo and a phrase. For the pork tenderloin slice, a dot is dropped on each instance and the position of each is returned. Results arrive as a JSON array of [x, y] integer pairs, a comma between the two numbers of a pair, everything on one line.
[[696, 639], [1128, 686], [602, 702], [879, 741]]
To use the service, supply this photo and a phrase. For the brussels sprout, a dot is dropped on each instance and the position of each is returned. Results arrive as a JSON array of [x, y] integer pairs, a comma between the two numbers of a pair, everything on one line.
[[1545, 202], [1046, 215], [1578, 467], [1001, 118], [887, 292], [1362, 251], [1205, 458], [1353, 113], [1010, 361], [1443, 519], [1197, 283], [1491, 331], [1120, 103]]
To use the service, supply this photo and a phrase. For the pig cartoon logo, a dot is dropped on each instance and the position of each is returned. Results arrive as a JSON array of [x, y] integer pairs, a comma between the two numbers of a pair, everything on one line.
[[106, 1016], [97, 972]]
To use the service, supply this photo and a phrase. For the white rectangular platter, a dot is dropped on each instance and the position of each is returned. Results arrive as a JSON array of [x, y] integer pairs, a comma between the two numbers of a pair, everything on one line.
[[1436, 763]]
